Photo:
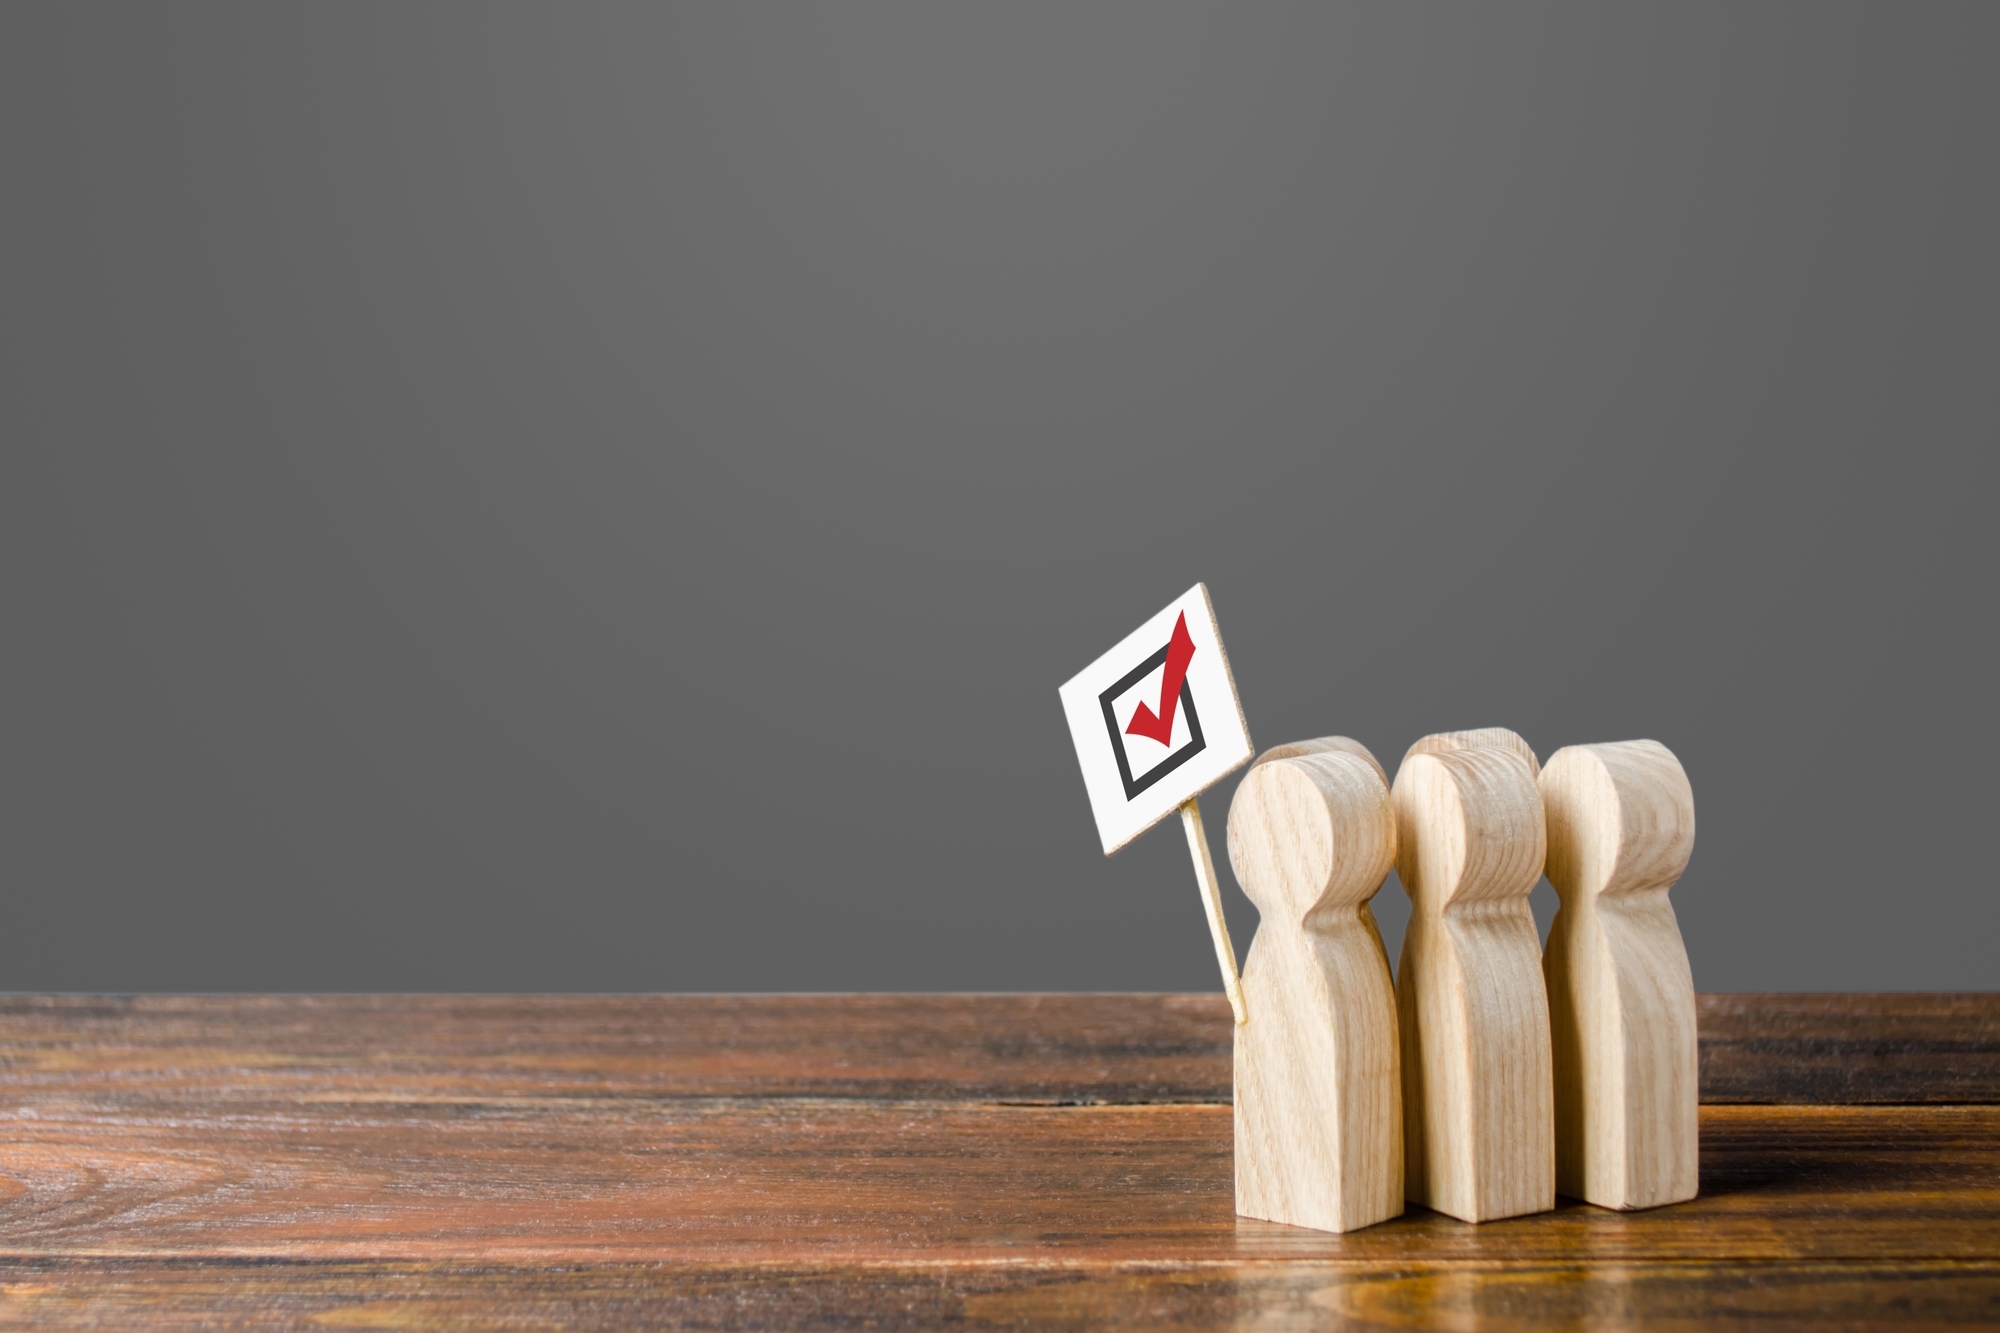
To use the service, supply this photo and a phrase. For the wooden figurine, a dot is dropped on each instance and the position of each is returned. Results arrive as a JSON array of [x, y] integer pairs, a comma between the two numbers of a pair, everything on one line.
[[1621, 997], [1478, 1093], [1319, 1127], [1496, 737], [1344, 745], [1327, 745]]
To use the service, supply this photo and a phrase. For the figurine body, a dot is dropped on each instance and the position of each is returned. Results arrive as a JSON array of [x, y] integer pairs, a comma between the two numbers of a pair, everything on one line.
[[1478, 1115], [1318, 1094], [1621, 996]]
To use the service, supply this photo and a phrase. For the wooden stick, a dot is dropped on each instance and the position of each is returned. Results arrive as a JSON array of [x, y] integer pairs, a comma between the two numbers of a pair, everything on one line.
[[1211, 898]]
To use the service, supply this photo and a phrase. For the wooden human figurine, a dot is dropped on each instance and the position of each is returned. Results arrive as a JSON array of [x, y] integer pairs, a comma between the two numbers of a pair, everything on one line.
[[1327, 745], [1621, 997], [1478, 1114], [1497, 737], [1345, 745], [1318, 1098]]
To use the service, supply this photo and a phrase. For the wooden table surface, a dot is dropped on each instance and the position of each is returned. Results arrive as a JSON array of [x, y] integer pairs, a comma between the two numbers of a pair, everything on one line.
[[502, 1162]]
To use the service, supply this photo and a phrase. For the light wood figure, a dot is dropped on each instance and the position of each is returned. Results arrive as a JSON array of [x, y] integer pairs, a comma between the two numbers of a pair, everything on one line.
[[1499, 738], [1319, 1131], [1621, 997], [1342, 745], [1478, 1094], [1327, 745]]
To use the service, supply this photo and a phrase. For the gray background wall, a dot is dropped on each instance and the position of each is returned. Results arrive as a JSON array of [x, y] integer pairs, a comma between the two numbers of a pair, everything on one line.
[[603, 497]]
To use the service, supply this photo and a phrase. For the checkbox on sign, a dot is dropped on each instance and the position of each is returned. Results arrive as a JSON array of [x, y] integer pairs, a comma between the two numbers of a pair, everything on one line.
[[1142, 758]]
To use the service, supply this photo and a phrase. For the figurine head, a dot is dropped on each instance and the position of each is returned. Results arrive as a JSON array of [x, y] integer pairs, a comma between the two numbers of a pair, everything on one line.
[[1312, 832], [1620, 818], [1469, 825]]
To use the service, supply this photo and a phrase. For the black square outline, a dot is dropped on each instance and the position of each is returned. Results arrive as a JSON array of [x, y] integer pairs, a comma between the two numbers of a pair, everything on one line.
[[1196, 742]]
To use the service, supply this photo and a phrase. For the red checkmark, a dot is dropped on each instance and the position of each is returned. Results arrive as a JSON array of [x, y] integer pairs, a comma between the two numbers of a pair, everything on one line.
[[1160, 727]]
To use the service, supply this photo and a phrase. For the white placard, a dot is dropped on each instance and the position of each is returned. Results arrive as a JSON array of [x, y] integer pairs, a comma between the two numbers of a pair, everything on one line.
[[1143, 746]]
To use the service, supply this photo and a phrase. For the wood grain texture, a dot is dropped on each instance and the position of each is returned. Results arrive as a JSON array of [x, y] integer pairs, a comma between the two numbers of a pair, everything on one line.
[[759, 1182], [1336, 745], [232, 1295], [1319, 1117], [814, 1162], [1804, 1049], [1026, 1048], [1325, 745], [1850, 1048], [1621, 995], [1478, 738], [1478, 1113]]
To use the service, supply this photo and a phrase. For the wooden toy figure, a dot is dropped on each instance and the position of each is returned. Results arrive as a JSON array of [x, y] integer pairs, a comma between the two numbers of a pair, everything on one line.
[[1621, 997], [1318, 1117], [1478, 1093], [1498, 738], [1345, 745]]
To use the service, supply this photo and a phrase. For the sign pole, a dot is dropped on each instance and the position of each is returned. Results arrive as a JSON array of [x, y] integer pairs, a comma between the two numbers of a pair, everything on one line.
[[1211, 898]]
